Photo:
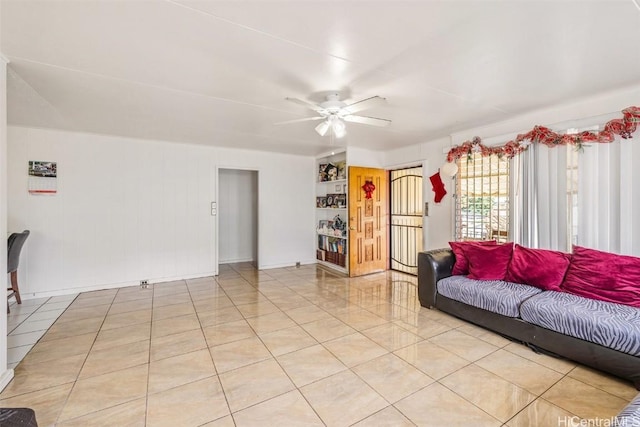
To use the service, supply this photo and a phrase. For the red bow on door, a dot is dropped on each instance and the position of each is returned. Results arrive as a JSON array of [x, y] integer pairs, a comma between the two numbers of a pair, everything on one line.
[[368, 188]]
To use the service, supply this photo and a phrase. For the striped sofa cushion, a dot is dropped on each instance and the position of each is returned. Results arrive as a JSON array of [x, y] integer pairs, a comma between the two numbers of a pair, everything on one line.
[[611, 325], [630, 415], [496, 296]]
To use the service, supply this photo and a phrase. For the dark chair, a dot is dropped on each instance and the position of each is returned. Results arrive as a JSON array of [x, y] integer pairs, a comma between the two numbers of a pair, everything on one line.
[[14, 246], [14, 417]]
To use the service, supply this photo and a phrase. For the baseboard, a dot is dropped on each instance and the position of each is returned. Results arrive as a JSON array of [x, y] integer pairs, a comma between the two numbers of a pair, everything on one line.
[[6, 378], [284, 265], [269, 266], [58, 292], [233, 261]]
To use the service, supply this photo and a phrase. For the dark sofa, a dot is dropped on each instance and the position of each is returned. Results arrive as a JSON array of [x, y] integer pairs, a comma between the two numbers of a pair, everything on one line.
[[438, 264]]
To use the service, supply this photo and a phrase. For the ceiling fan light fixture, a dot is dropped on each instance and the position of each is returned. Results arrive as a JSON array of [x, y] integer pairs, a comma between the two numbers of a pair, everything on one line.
[[322, 128], [339, 128], [333, 114]]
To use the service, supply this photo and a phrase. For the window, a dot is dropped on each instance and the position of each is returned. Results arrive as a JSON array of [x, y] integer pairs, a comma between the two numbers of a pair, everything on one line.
[[482, 198]]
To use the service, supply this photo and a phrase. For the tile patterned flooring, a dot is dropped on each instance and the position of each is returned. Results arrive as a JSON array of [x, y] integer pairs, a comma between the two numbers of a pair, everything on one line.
[[284, 347], [29, 321]]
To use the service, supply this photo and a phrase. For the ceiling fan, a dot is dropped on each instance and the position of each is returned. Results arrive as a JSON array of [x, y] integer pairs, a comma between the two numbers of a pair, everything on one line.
[[334, 113]]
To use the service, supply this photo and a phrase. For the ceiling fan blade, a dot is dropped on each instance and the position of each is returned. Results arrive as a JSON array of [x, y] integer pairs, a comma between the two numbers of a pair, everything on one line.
[[306, 119], [314, 107], [364, 104], [367, 120]]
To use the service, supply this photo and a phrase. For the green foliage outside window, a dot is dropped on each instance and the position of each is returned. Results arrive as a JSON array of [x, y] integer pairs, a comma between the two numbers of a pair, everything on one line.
[[480, 205]]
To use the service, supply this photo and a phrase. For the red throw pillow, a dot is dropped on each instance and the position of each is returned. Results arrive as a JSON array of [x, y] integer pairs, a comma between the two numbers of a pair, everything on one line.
[[461, 266], [541, 268], [604, 276], [489, 262]]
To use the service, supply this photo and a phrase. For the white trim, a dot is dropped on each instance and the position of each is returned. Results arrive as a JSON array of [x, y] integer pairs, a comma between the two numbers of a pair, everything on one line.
[[272, 266], [4, 58], [68, 291], [232, 261], [216, 220], [239, 168], [6, 378]]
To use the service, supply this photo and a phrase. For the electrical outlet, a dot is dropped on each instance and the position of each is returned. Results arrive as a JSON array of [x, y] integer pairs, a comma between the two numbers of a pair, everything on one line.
[[144, 284], [297, 264]]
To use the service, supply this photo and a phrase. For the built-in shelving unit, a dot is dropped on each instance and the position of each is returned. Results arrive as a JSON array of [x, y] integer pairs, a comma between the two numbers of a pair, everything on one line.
[[332, 229]]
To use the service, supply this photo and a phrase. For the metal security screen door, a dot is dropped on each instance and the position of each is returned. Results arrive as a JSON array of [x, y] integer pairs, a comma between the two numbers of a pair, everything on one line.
[[406, 219]]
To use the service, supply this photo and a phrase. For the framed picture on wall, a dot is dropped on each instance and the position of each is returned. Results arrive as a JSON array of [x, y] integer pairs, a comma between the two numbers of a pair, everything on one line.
[[43, 177]]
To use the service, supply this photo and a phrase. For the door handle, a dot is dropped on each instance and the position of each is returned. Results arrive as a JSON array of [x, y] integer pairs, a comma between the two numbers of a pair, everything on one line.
[[352, 228]]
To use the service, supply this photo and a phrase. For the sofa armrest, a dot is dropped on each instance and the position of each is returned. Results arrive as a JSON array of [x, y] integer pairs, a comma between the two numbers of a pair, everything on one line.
[[630, 415], [433, 266]]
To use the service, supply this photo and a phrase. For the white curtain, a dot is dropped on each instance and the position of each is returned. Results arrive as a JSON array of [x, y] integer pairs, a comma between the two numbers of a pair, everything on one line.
[[539, 198], [607, 214], [609, 196]]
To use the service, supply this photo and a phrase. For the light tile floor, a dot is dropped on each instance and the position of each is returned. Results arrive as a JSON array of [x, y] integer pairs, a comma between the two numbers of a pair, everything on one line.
[[285, 347], [28, 322]]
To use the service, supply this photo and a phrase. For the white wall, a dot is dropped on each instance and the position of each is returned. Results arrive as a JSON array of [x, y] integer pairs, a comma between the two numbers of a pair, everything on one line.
[[128, 209], [237, 215], [438, 225], [286, 204], [5, 374], [357, 156]]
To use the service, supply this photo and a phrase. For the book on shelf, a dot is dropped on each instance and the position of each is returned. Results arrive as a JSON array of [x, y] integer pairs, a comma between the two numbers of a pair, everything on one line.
[[336, 258], [332, 244]]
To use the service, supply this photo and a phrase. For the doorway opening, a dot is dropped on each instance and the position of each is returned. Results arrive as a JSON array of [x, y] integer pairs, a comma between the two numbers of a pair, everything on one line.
[[237, 216], [406, 219]]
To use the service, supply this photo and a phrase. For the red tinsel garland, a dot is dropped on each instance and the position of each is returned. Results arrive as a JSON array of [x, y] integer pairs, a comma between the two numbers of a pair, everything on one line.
[[542, 135]]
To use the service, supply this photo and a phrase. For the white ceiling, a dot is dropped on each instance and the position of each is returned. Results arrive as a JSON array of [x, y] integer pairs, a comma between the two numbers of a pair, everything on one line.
[[218, 72]]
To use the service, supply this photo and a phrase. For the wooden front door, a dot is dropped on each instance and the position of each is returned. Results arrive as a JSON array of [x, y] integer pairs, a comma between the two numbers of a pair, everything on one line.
[[367, 221]]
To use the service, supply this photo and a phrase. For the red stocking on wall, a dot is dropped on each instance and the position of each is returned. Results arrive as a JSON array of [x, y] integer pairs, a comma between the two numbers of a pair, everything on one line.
[[437, 186]]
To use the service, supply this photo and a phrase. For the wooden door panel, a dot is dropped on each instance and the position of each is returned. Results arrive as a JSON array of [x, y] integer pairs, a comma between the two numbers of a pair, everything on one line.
[[368, 221]]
